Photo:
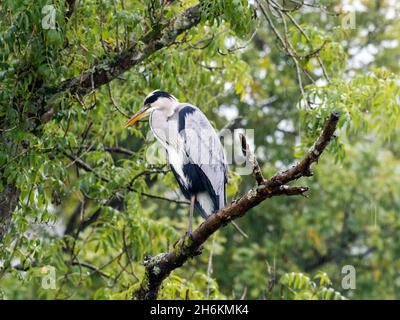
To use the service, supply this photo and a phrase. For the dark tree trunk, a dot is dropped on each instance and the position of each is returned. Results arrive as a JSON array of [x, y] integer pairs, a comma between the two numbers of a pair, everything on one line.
[[8, 202]]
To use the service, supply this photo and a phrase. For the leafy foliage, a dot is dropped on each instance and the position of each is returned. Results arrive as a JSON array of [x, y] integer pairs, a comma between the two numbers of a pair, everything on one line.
[[91, 206], [302, 287]]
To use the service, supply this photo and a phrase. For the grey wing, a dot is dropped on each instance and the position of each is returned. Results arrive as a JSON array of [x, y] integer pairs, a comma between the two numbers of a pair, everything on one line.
[[203, 148]]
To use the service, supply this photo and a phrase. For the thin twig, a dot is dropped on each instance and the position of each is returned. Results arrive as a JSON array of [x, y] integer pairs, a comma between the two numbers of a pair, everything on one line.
[[252, 159]]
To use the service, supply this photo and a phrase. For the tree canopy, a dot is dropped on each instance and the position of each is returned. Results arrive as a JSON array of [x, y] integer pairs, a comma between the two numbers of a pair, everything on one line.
[[89, 202]]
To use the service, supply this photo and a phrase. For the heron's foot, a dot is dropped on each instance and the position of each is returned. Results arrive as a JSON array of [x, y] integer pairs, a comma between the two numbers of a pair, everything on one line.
[[182, 240]]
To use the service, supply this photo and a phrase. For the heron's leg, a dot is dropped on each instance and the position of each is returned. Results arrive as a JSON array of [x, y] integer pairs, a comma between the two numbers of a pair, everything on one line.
[[188, 233], [191, 209]]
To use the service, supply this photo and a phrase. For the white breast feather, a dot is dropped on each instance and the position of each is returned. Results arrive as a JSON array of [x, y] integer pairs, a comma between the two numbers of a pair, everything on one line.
[[176, 160]]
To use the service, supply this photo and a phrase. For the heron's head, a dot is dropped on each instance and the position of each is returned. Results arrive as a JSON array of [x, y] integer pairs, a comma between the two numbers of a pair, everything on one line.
[[155, 100]]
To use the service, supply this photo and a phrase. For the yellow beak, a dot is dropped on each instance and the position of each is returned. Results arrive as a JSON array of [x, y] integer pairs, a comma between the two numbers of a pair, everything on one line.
[[142, 112]]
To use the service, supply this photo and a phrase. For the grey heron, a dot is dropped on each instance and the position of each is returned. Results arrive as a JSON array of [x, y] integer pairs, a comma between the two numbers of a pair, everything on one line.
[[194, 151]]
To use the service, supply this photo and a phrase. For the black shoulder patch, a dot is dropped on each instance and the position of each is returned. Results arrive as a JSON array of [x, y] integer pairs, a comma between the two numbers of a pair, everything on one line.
[[156, 95], [182, 115]]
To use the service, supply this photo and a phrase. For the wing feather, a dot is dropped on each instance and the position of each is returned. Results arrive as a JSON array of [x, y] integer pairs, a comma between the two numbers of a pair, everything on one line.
[[204, 152]]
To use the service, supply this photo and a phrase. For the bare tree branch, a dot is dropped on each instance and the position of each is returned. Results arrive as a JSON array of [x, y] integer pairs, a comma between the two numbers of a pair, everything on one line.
[[252, 159], [159, 267], [303, 168]]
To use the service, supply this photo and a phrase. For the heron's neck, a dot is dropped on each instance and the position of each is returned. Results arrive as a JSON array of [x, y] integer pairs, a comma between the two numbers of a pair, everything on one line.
[[166, 106]]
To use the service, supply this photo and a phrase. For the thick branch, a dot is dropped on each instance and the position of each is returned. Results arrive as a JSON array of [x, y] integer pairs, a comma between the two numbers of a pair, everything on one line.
[[108, 70], [160, 266]]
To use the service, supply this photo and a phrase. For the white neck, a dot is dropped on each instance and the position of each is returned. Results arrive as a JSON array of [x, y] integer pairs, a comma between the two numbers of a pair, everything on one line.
[[166, 105]]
